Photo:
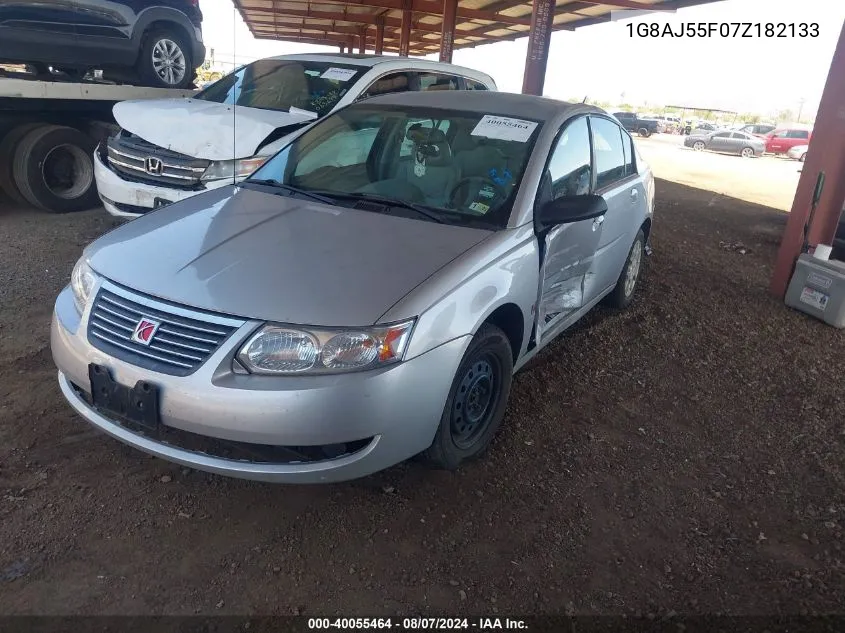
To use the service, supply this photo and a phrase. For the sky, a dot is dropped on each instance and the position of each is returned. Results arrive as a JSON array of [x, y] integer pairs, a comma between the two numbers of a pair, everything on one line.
[[603, 62]]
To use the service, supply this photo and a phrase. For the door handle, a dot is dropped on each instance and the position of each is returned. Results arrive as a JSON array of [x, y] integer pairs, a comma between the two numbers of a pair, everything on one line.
[[634, 195]]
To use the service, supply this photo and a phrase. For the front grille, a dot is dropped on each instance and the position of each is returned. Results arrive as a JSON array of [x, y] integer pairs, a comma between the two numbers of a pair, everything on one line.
[[127, 154], [183, 341]]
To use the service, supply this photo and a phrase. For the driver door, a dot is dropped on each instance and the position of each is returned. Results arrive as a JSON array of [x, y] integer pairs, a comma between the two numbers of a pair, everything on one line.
[[567, 278]]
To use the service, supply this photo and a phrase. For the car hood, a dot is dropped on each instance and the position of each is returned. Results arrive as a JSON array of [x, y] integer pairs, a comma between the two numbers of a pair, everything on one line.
[[257, 255], [203, 129]]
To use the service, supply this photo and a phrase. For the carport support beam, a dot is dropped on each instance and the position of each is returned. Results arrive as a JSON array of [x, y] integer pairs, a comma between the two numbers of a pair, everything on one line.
[[826, 154], [542, 13], [405, 31], [362, 41], [447, 30], [380, 35]]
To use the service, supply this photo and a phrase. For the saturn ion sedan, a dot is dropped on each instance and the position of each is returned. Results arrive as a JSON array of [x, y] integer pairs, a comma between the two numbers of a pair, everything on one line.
[[728, 142], [362, 298]]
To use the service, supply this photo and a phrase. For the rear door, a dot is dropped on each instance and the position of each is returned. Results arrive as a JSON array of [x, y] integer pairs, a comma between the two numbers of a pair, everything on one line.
[[105, 18], [796, 137], [567, 279], [720, 142], [616, 180]]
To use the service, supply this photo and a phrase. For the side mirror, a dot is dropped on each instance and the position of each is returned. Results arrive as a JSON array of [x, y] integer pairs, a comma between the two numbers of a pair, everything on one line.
[[568, 209]]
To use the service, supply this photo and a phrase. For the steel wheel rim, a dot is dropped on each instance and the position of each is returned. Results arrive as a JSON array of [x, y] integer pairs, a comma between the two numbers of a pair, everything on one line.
[[475, 401], [633, 271], [747, 153], [169, 61], [67, 171]]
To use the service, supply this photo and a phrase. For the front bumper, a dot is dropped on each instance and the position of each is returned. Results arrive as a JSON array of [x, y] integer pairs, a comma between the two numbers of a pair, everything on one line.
[[397, 410], [129, 199]]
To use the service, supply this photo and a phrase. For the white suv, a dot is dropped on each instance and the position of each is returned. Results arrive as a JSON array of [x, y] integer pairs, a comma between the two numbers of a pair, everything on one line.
[[171, 149]]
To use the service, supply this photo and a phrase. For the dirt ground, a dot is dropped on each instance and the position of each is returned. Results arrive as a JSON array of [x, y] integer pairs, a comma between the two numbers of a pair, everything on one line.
[[687, 455]]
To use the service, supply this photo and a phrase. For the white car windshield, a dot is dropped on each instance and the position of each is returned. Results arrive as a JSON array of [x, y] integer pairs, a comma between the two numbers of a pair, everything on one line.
[[459, 166], [280, 84]]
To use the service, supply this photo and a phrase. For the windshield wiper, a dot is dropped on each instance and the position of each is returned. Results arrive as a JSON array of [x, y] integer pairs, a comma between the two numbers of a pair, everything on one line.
[[272, 182], [386, 200]]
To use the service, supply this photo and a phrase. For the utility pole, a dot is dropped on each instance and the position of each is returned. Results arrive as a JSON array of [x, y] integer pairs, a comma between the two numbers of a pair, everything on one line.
[[800, 107]]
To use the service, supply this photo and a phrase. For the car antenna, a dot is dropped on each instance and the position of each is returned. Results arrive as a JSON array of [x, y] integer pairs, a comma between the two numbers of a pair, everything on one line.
[[585, 99], [234, 95]]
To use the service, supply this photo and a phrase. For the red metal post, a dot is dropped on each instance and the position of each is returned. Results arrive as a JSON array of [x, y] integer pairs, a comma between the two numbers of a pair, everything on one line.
[[538, 47], [380, 35], [447, 30], [826, 154], [342, 49], [405, 30], [362, 40]]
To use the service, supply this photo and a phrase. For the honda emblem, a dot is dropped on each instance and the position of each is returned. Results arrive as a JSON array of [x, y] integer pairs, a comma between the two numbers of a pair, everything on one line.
[[153, 166], [144, 331]]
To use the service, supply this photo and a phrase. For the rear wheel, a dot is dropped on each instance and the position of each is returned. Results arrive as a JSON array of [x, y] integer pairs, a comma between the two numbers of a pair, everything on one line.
[[477, 401], [626, 285], [644, 132], [165, 60], [54, 169], [747, 152], [8, 145]]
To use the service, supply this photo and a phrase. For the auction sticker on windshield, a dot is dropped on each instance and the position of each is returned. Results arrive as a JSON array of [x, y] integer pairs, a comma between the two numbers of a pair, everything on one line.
[[504, 128], [338, 74]]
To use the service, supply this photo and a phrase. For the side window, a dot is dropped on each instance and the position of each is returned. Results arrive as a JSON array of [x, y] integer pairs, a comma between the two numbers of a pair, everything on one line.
[[407, 147], [608, 152], [628, 149], [569, 172], [433, 81], [474, 85], [798, 134], [393, 82]]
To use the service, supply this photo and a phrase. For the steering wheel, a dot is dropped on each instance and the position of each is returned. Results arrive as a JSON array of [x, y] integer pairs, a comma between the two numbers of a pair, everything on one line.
[[470, 187]]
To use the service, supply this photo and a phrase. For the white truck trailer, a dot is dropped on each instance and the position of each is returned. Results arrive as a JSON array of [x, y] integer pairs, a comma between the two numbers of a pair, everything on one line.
[[48, 133]]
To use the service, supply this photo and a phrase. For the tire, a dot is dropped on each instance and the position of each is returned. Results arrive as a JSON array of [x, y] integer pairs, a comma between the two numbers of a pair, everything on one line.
[[164, 41], [644, 132], [488, 358], [8, 145], [747, 152], [54, 169], [698, 146], [802, 157], [622, 295]]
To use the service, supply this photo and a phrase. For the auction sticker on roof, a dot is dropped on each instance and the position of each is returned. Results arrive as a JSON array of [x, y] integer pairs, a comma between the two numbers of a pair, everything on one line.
[[814, 298], [504, 128], [339, 74]]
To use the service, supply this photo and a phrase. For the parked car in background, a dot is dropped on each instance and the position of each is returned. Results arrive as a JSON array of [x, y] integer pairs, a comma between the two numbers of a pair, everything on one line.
[[699, 126], [172, 149], [757, 129], [322, 320], [782, 140], [156, 42], [798, 152], [632, 122], [727, 141]]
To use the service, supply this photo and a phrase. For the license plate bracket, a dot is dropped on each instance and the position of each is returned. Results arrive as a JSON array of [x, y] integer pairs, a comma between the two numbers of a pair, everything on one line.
[[138, 404]]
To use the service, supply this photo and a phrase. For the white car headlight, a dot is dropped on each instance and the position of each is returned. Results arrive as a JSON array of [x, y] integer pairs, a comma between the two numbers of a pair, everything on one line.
[[282, 350], [82, 280], [241, 168]]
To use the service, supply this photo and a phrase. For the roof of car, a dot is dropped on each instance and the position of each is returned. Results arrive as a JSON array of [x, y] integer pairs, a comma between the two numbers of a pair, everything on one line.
[[499, 103]]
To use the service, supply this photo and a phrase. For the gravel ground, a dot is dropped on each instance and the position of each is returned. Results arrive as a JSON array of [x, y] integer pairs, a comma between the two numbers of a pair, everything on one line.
[[686, 455]]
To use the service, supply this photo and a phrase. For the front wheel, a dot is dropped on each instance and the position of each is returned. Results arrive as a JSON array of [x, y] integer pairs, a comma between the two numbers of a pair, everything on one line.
[[626, 285], [165, 60], [698, 146], [476, 403]]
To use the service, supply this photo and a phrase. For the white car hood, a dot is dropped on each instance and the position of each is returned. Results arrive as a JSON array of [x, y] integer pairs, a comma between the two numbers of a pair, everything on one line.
[[203, 129]]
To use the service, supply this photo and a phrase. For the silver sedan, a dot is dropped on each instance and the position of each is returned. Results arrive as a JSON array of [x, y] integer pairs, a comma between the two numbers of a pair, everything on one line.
[[365, 296], [727, 141]]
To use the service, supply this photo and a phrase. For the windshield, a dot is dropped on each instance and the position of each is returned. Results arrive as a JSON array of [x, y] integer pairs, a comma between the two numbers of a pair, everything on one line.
[[464, 166], [280, 84]]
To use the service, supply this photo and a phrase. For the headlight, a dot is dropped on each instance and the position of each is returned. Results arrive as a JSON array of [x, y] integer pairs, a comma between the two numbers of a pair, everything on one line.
[[280, 350], [241, 168], [82, 280]]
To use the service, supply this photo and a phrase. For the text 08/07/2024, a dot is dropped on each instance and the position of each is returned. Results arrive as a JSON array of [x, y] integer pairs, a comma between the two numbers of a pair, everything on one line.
[[725, 29]]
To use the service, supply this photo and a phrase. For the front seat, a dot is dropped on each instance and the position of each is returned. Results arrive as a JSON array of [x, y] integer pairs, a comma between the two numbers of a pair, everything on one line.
[[431, 166]]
